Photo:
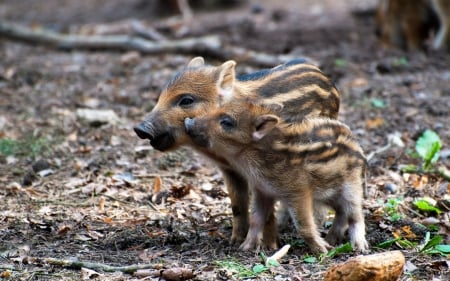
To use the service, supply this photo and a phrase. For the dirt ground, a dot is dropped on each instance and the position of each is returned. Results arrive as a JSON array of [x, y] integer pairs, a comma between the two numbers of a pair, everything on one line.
[[90, 192]]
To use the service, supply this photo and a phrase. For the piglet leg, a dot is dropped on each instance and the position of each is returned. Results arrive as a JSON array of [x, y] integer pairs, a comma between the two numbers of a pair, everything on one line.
[[263, 207]]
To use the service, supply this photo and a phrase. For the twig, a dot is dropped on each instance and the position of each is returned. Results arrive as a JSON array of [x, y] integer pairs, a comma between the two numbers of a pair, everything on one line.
[[146, 32], [206, 45], [378, 151], [91, 265]]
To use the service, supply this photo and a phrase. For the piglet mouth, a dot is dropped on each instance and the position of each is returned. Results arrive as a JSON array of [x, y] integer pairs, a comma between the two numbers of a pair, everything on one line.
[[161, 141]]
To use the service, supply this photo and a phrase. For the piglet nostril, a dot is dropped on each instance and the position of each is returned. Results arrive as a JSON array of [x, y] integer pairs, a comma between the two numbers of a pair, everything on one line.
[[142, 132]]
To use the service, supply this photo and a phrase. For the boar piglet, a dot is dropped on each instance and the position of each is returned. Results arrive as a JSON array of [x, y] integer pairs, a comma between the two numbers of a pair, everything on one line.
[[315, 160]]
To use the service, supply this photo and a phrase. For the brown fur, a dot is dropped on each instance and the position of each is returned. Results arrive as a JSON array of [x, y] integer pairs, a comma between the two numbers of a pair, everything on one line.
[[407, 24], [297, 91], [315, 160]]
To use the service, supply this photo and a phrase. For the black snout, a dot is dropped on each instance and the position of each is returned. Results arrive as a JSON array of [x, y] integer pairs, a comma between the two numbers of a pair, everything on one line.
[[189, 125], [197, 135], [142, 132]]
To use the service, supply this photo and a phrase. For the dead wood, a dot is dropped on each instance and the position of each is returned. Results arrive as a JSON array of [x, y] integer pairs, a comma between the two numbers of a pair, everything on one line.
[[73, 264], [387, 266], [207, 45], [171, 274]]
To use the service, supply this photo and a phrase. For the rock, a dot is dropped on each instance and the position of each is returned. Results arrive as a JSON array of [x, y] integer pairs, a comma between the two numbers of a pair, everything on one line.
[[40, 165], [387, 266], [390, 187], [28, 178], [97, 117]]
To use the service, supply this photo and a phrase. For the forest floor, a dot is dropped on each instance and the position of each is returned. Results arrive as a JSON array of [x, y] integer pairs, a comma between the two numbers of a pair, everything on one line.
[[94, 192]]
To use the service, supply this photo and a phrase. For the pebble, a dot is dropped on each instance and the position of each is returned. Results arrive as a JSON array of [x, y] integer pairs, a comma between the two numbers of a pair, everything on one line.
[[97, 117], [40, 165], [390, 188]]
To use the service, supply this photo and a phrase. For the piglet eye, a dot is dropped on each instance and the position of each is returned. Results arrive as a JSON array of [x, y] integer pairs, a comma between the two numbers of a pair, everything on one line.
[[186, 101], [227, 123]]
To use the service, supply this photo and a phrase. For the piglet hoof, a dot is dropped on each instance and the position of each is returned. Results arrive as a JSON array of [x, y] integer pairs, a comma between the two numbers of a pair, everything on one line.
[[236, 240], [273, 245], [238, 235], [249, 244], [270, 241], [361, 245], [334, 239], [321, 247]]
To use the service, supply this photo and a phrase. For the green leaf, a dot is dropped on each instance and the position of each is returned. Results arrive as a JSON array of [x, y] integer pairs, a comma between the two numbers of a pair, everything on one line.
[[388, 243], [431, 242], [272, 262], [237, 268], [428, 147], [443, 248], [401, 61], [425, 206], [310, 259], [409, 168], [8, 147], [378, 103], [340, 62], [345, 248], [259, 268], [404, 243]]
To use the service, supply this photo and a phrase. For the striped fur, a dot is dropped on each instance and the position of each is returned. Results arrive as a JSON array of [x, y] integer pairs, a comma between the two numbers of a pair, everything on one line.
[[315, 160]]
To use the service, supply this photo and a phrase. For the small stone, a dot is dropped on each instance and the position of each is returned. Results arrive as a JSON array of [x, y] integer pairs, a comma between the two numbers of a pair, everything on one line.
[[390, 187], [430, 221], [45, 173], [40, 165], [28, 178], [97, 117]]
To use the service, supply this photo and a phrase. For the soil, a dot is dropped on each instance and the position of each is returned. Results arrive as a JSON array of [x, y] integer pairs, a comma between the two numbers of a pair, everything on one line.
[[94, 192]]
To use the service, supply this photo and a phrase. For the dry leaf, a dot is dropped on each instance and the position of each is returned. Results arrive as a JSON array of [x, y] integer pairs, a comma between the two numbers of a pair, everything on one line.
[[5, 274], [157, 184], [101, 204], [63, 229], [374, 123]]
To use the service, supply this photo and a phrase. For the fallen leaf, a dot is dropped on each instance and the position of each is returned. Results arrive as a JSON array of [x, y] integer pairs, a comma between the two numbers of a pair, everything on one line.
[[157, 184], [374, 123], [63, 229], [101, 204]]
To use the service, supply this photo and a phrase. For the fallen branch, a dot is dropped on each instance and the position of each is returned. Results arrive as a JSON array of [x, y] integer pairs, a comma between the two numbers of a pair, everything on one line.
[[207, 45], [113, 42], [90, 265]]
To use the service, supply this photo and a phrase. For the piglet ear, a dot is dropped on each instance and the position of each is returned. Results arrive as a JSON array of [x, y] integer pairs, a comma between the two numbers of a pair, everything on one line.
[[225, 81], [263, 125], [196, 62]]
